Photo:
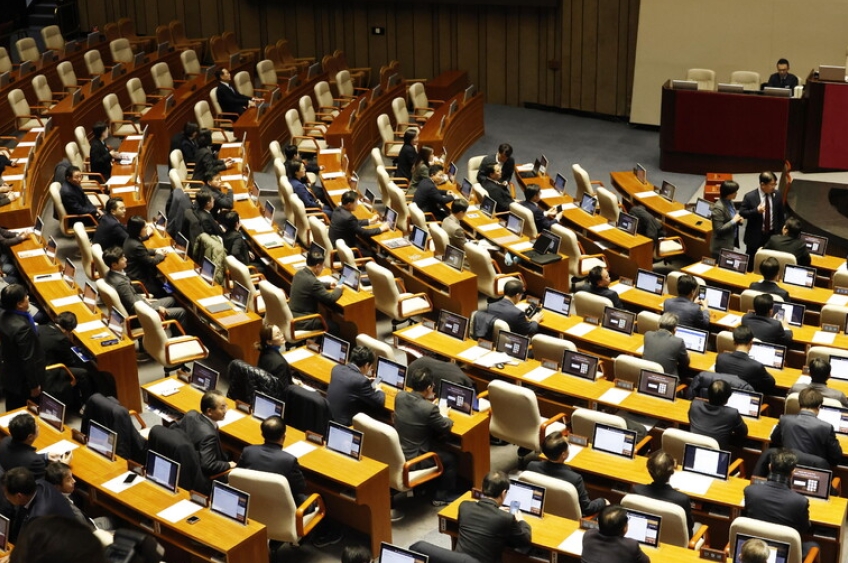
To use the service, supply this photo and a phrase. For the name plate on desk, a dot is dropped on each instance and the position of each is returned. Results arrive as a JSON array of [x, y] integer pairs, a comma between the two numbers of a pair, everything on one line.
[[708, 261], [840, 290], [591, 320], [314, 437], [712, 554], [623, 384], [827, 327], [590, 524], [578, 440]]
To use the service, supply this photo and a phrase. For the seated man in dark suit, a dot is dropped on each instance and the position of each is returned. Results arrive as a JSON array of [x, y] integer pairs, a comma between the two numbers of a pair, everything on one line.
[[307, 292], [56, 341], [74, 199], [141, 261], [607, 543], [344, 224], [598, 283], [790, 241], [504, 158], [270, 457], [31, 498], [782, 78], [16, 449], [430, 198], [770, 269], [555, 449], [496, 188], [690, 310], [202, 430], [110, 232], [441, 370], [819, 374], [351, 388], [805, 432], [544, 220], [715, 419], [229, 99], [661, 468], [764, 325], [740, 363], [506, 309], [663, 347], [485, 530]]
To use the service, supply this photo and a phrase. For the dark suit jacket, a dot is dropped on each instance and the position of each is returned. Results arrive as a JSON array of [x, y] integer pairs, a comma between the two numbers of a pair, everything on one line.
[[725, 233], [667, 350], [57, 347], [794, 246], [141, 263], [206, 160], [405, 160], [777, 81], [123, 286], [22, 367], [304, 194], [100, 159], [230, 100], [565, 473], [747, 368], [598, 548], [441, 370], [75, 200], [666, 493], [721, 422], [110, 232], [507, 168], [754, 235], [485, 530], [203, 433], [499, 193], [48, 501], [688, 312], [417, 422], [767, 329], [17, 454], [603, 292], [826, 391], [350, 393], [236, 246], [272, 361], [543, 222], [773, 501], [806, 433], [307, 291], [431, 199], [272, 458], [345, 225], [518, 322], [771, 287]]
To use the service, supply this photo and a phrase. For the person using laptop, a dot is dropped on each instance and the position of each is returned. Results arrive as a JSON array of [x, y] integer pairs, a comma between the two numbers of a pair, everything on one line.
[[661, 468], [725, 219], [691, 310], [428, 197], [555, 448], [805, 432], [663, 347], [484, 529], [763, 324], [819, 374], [597, 282], [421, 428], [344, 224], [715, 419], [141, 262], [544, 219], [31, 498], [506, 309], [202, 431], [495, 187], [754, 550], [770, 269], [271, 458], [502, 157], [763, 208], [740, 363], [307, 291], [16, 449], [110, 231], [607, 544], [789, 240], [782, 78], [351, 389]]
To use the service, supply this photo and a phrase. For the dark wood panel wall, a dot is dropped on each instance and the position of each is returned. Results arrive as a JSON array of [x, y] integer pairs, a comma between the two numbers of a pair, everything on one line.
[[577, 55]]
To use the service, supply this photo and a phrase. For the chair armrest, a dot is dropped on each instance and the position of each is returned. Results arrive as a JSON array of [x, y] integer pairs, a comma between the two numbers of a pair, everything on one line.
[[314, 498], [681, 387], [483, 395], [738, 466], [544, 427], [67, 371], [137, 416], [176, 323], [813, 555], [225, 122], [313, 132], [421, 111], [408, 125], [296, 320], [703, 533], [588, 257], [646, 441], [311, 139], [35, 117], [140, 285], [836, 486], [413, 296], [98, 177], [125, 121], [218, 475], [171, 90], [407, 467], [179, 340], [388, 143], [87, 218], [596, 183]]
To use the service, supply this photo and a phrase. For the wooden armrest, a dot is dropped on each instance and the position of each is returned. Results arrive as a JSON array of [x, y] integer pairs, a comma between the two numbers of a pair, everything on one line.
[[385, 143], [680, 388], [180, 340], [483, 395], [137, 416], [314, 132], [176, 323], [225, 122], [97, 176], [737, 466], [311, 139], [407, 467], [421, 111], [646, 441], [172, 90], [67, 371], [36, 117], [703, 533], [596, 183], [812, 555], [314, 498], [413, 296], [221, 474], [836, 486], [128, 122], [543, 429], [90, 220], [408, 125], [139, 285]]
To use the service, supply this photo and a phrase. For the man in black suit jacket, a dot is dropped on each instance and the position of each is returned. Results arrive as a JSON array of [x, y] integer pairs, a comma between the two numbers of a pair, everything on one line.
[[22, 367], [74, 199], [430, 198], [351, 389], [770, 268], [789, 240], [715, 419], [504, 158], [141, 261], [56, 342], [544, 220], [555, 449], [506, 309], [598, 283], [441, 370], [661, 468], [202, 430], [607, 543], [663, 347], [763, 208], [270, 457], [764, 325], [110, 232], [484, 529], [689, 308], [805, 432], [16, 450], [307, 291], [408, 153], [740, 363], [495, 187], [31, 499], [344, 224], [230, 100]]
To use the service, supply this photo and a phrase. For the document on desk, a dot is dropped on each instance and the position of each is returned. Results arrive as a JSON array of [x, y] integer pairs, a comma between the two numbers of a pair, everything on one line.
[[233, 178], [118, 484], [331, 151], [699, 268], [332, 175], [337, 193], [822, 337], [292, 259], [600, 228], [416, 332], [118, 180], [63, 301], [679, 213], [620, 288], [573, 544], [298, 354], [840, 300], [166, 387], [806, 380], [31, 253], [573, 450], [241, 196], [180, 511], [549, 193], [257, 224], [214, 300], [489, 227], [492, 358], [691, 482], [60, 447], [729, 320], [300, 449], [541, 373], [424, 262], [47, 277], [645, 195], [5, 420], [473, 353], [269, 240], [183, 275], [581, 329], [13, 177], [614, 396], [521, 246], [137, 138], [230, 320], [89, 326], [231, 416]]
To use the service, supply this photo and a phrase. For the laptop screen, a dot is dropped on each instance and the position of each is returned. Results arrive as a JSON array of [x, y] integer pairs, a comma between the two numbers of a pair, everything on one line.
[[811, 482], [556, 301], [315, 248], [547, 243], [161, 221], [580, 364], [268, 211], [452, 324], [89, 297], [4, 533], [587, 204], [792, 312], [703, 209], [641, 173], [465, 189], [643, 527], [735, 261], [748, 403], [618, 320], [527, 497], [454, 257], [514, 224], [706, 461], [418, 238], [350, 276], [694, 339], [38, 228], [799, 275], [457, 397], [266, 405], [839, 367], [452, 169], [52, 411], [488, 206], [50, 249], [229, 501], [102, 440], [613, 440], [162, 471], [116, 323], [289, 233], [391, 373], [770, 355], [203, 377], [836, 416], [559, 183], [650, 282], [391, 218], [393, 554], [69, 272], [667, 190], [514, 345], [657, 384], [344, 440], [717, 298], [239, 296], [779, 551], [335, 349], [369, 196], [180, 244], [207, 270], [627, 223], [815, 244]]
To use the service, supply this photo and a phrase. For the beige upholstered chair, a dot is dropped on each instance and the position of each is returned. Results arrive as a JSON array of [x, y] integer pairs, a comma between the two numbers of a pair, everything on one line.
[[301, 221], [671, 281], [92, 181], [170, 352], [191, 64], [243, 84], [121, 51], [140, 103], [286, 193], [629, 368], [379, 347], [398, 305], [749, 79], [397, 201], [308, 140], [474, 167], [835, 315], [490, 281], [111, 300], [46, 98], [321, 234], [792, 406], [824, 352], [402, 120], [422, 106], [383, 181], [704, 77], [5, 61], [67, 221], [94, 63], [497, 326], [761, 529], [99, 264], [439, 237], [561, 497], [583, 421], [416, 216], [783, 259], [674, 529], [310, 118], [515, 416], [86, 254], [67, 76], [590, 305], [550, 348], [608, 203], [647, 321], [583, 183], [178, 165], [53, 39], [239, 273], [82, 141], [391, 140], [163, 79], [579, 263], [724, 342], [529, 223], [272, 504], [203, 115], [840, 278], [277, 312], [119, 126], [28, 50], [326, 102], [345, 86], [266, 75]]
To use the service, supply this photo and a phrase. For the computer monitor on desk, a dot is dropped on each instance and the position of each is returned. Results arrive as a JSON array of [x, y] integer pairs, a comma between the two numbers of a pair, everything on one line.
[[588, 203], [89, 297], [391, 373], [627, 223], [734, 261], [706, 461], [778, 550], [716, 297], [650, 282], [465, 189], [268, 211], [488, 207], [102, 440], [792, 312], [657, 384], [770, 355], [203, 377], [239, 296], [335, 349], [207, 270], [344, 440], [703, 208], [180, 245], [559, 183], [266, 405], [836, 416], [643, 527], [614, 440], [69, 273], [815, 244], [163, 471], [556, 301], [117, 322], [667, 190], [514, 224], [748, 403], [526, 497], [229, 502], [418, 238], [799, 275], [694, 339], [513, 345], [391, 218], [350, 276], [4, 534], [393, 554], [52, 411], [839, 367], [811, 481], [618, 320], [580, 365], [454, 257], [457, 397], [452, 324], [289, 233]]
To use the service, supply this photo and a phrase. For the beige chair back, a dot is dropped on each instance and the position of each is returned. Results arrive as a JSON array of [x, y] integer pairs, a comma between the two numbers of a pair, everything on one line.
[[277, 312], [674, 442], [401, 114], [380, 348], [571, 248], [647, 321], [824, 353], [529, 223], [397, 201], [239, 273], [42, 91], [346, 255], [72, 151], [110, 297], [749, 79], [834, 314], [162, 78], [480, 263], [323, 94], [474, 167], [266, 74], [138, 97], [5, 60], [674, 529], [82, 141], [792, 406], [154, 338], [418, 97], [307, 110], [286, 192], [121, 51], [515, 415], [416, 216], [440, 238], [344, 84], [840, 278], [629, 368], [387, 134], [704, 77], [724, 342], [321, 235], [590, 305], [67, 76], [387, 296], [561, 497], [99, 264], [116, 115], [383, 180], [94, 63], [550, 348], [271, 502], [582, 181], [53, 39], [608, 203], [191, 65], [583, 421], [277, 154], [28, 50], [301, 222], [58, 206], [243, 84], [84, 245], [24, 120], [761, 529], [783, 259]]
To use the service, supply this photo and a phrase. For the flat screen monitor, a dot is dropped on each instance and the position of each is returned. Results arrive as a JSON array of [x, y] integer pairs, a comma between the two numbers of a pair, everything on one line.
[[391, 218], [266, 405], [811, 482], [268, 211], [293, 82], [369, 196], [694, 339], [513, 345], [465, 189], [703, 208], [52, 411], [526, 497], [667, 190], [748, 403], [162, 49], [314, 70], [728, 88], [76, 97], [588, 203], [469, 93], [836, 416], [770, 355], [556, 301], [733, 261], [4, 533], [452, 324], [229, 501], [69, 272], [778, 550], [657, 384], [619, 320], [488, 207], [38, 228], [839, 367], [344, 440], [350, 276], [418, 238], [117, 70], [706, 461], [514, 224], [351, 120], [376, 92], [627, 223], [138, 59], [203, 377], [253, 194], [163, 471], [457, 397], [180, 245], [454, 257], [650, 282], [684, 85], [50, 249], [716, 297], [289, 233], [89, 297], [5, 78], [815, 244], [102, 440], [391, 373], [547, 243], [117, 322], [799, 275], [559, 183], [335, 349], [393, 554], [26, 68], [452, 170], [792, 312], [641, 173], [777, 92], [161, 222], [239, 296], [614, 440], [580, 364], [643, 527], [207, 270], [93, 38], [393, 80]]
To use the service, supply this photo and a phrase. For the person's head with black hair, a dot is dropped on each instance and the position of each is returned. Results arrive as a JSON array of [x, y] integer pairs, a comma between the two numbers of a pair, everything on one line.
[[421, 380], [57, 539], [112, 258], [203, 200], [495, 485], [819, 371], [458, 208], [792, 227], [229, 220], [14, 297], [60, 476], [492, 171], [349, 200], [743, 337], [136, 227], [290, 152], [728, 189], [19, 485], [598, 277], [770, 268], [504, 152], [73, 175], [100, 130], [768, 182], [190, 130], [273, 430], [66, 321], [719, 392], [514, 290], [270, 336], [410, 136], [435, 170], [661, 466], [222, 75], [213, 405], [23, 428], [115, 206], [764, 304], [362, 357], [687, 286], [783, 461], [315, 262], [295, 169], [810, 399], [212, 178], [356, 554], [612, 521], [424, 156], [204, 138], [555, 447], [533, 193]]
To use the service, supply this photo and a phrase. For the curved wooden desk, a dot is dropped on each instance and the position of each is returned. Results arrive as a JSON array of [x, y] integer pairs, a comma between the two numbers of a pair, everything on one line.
[[461, 130]]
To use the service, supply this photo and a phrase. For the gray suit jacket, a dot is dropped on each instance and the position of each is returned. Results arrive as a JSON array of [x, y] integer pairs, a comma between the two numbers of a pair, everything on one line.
[[725, 232], [688, 312], [203, 433], [806, 433], [350, 392], [505, 310], [454, 230], [307, 291], [826, 391], [417, 422], [127, 293], [667, 350]]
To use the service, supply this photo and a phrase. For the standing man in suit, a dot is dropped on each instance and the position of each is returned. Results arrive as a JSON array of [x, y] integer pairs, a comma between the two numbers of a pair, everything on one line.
[[202, 430], [270, 457], [110, 231], [31, 499], [16, 449], [598, 283], [504, 158], [506, 309], [430, 198], [351, 388], [408, 153], [544, 220], [420, 427], [805, 432], [495, 187], [819, 374], [307, 291], [690, 309], [230, 100], [715, 419], [770, 269], [344, 224], [607, 543], [763, 324], [663, 347], [740, 363], [789, 240], [763, 208], [22, 367], [484, 529], [661, 468], [141, 261]]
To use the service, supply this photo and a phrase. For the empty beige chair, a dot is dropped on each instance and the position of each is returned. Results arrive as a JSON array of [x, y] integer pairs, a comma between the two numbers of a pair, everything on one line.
[[171, 352], [647, 321], [629, 368], [344, 84], [284, 189], [94, 63], [307, 140], [86, 254], [422, 106], [321, 234], [397, 201], [162, 79], [53, 39], [561, 497], [383, 181], [238, 272], [25, 119], [416, 216], [724, 342], [783, 259], [608, 203], [835, 315], [325, 100], [5, 61], [824, 352], [749, 79], [792, 406], [67, 76], [761, 529], [309, 117], [587, 304], [704, 77], [398, 306], [99, 264], [203, 115], [67, 221], [439, 237], [674, 529], [121, 51], [46, 98], [266, 75], [119, 126], [28, 50], [550, 348], [490, 281], [583, 183], [379, 347], [840, 278], [277, 312], [391, 144], [243, 84], [272, 504], [529, 223], [111, 299], [515, 416], [579, 263], [139, 101], [474, 167], [191, 65], [402, 120], [81, 138]]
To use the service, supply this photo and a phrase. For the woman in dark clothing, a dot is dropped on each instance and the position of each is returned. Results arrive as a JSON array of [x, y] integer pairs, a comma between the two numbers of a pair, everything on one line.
[[271, 344], [101, 156], [206, 159]]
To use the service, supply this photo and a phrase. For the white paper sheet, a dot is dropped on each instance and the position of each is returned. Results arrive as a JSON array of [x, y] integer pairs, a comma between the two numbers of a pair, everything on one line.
[[298, 354], [804, 380], [691, 482], [569, 206], [31, 253], [573, 450], [47, 277], [473, 353], [620, 288], [417, 332], [523, 245], [541, 373], [581, 329], [549, 193], [730, 320], [63, 301], [699, 268], [117, 484], [644, 195], [292, 259], [331, 175], [231, 416], [679, 213], [600, 228], [59, 447], [176, 512], [489, 227], [241, 196], [118, 180], [232, 178], [214, 300], [300, 449], [424, 262], [124, 190], [89, 326], [573, 544], [4, 420], [336, 193], [183, 275], [331, 151], [822, 337], [166, 387], [492, 358], [614, 396], [257, 224]]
